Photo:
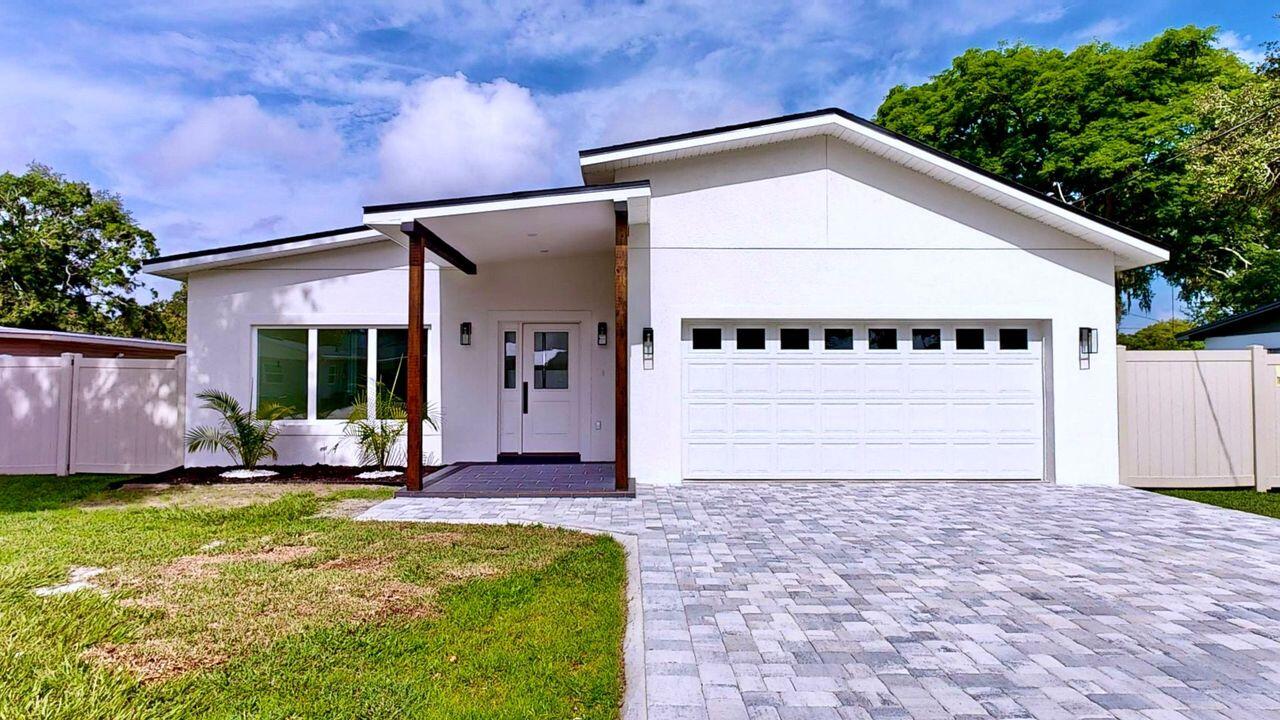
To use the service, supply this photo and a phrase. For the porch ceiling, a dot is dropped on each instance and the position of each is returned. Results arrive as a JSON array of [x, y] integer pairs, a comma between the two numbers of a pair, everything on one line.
[[553, 223]]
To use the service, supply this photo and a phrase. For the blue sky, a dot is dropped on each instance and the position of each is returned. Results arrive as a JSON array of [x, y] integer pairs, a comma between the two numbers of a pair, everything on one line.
[[224, 121]]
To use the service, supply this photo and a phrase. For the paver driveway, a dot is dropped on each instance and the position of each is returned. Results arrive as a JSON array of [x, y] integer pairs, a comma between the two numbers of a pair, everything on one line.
[[936, 600]]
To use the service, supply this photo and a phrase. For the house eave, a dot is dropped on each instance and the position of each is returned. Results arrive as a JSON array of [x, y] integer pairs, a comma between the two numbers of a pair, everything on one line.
[[1131, 249], [179, 266]]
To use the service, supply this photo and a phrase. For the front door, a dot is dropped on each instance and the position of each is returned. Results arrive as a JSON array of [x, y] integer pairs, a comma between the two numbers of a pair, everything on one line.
[[548, 385]]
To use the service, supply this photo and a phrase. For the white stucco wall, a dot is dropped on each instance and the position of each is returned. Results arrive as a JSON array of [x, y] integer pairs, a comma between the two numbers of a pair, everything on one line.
[[363, 286], [815, 229]]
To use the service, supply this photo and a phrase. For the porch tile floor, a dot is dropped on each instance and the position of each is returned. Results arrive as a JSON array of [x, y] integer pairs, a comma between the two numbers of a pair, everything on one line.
[[516, 480], [835, 601]]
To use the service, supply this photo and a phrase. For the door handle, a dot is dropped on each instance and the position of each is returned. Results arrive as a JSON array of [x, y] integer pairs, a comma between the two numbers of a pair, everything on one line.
[[524, 398]]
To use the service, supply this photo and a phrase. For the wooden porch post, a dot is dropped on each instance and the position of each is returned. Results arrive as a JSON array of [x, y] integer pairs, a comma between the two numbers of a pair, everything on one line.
[[413, 455], [621, 345]]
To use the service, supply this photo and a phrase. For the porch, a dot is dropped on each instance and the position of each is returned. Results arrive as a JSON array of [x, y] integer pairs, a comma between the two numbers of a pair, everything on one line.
[[535, 285], [522, 480]]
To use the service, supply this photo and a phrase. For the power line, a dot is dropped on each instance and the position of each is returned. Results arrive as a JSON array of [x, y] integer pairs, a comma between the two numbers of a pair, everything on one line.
[[1212, 138]]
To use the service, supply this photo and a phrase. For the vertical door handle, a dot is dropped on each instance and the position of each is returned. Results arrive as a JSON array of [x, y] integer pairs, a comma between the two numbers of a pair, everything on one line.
[[524, 398]]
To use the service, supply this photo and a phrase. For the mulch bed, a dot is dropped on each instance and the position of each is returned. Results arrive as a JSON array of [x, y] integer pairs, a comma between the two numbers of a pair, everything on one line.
[[286, 474]]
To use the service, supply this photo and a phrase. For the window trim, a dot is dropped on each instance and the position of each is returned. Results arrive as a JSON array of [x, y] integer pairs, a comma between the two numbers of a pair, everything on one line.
[[897, 339], [808, 339], [719, 346], [1026, 336], [853, 339], [313, 364], [955, 337], [764, 339]]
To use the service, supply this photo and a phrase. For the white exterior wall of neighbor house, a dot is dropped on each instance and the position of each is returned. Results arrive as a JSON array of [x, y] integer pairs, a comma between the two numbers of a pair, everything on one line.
[[816, 229], [1269, 340], [362, 286], [551, 290]]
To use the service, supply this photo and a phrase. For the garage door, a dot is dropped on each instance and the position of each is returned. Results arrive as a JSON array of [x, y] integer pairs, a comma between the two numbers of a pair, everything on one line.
[[863, 400]]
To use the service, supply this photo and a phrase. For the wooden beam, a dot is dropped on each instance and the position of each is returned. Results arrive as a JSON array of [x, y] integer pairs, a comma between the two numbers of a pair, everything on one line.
[[413, 401], [436, 245], [621, 346]]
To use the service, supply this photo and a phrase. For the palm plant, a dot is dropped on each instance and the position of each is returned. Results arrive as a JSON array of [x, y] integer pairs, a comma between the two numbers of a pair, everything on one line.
[[376, 433], [246, 436]]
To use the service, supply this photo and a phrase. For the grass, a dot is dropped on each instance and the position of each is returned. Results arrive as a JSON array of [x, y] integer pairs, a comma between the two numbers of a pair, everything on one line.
[[263, 604], [1243, 499]]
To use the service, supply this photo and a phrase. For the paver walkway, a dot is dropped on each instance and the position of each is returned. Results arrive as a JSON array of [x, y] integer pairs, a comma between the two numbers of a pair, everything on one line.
[[815, 600]]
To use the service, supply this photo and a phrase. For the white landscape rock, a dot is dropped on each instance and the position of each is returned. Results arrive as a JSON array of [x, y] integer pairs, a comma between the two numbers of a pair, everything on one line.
[[243, 474], [77, 579], [378, 474]]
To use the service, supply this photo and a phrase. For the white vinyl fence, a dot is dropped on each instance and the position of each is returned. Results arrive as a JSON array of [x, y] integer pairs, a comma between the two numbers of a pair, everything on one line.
[[72, 414], [1202, 419]]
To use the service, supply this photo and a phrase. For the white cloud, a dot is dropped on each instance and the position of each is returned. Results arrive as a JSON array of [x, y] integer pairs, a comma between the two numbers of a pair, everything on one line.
[[1242, 45], [234, 130], [455, 137], [1104, 29]]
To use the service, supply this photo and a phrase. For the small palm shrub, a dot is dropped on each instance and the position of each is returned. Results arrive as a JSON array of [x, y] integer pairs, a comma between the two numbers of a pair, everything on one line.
[[376, 437], [246, 436]]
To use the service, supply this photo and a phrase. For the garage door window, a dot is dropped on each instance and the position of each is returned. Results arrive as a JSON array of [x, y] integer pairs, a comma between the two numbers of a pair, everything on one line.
[[1013, 338], [926, 339], [795, 338], [970, 339], [706, 338], [750, 338], [838, 338], [882, 338]]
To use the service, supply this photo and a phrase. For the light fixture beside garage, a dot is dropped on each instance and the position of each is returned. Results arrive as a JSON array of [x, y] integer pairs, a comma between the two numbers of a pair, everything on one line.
[[1088, 346], [646, 342], [464, 334]]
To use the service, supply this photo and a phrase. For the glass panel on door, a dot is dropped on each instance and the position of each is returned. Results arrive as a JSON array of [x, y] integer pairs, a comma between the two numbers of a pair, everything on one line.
[[550, 360]]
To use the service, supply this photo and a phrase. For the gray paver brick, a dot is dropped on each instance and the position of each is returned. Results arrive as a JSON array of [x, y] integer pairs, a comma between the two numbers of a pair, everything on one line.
[[880, 600]]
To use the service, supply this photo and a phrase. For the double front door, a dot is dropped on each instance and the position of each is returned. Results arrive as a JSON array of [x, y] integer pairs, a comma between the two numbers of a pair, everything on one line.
[[539, 390]]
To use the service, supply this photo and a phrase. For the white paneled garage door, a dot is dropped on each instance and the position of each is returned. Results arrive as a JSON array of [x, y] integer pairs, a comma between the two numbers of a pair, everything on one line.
[[863, 400]]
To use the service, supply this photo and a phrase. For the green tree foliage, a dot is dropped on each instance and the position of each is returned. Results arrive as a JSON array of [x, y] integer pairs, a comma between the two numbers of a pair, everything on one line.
[[247, 436], [1101, 127], [1236, 166], [69, 259], [1160, 336]]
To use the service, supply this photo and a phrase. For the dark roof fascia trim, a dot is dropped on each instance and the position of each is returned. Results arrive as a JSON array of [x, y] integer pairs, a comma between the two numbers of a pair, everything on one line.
[[1208, 329], [520, 195], [582, 154], [252, 245]]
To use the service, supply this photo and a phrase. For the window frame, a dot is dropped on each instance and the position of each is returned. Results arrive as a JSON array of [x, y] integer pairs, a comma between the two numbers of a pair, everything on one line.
[[693, 346], [1026, 339], [956, 339], [737, 346], [853, 338], [915, 330], [313, 365], [808, 339], [897, 339]]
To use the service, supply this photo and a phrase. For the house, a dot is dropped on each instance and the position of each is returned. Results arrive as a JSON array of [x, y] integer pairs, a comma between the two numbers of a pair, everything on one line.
[[809, 296], [51, 343], [1259, 326]]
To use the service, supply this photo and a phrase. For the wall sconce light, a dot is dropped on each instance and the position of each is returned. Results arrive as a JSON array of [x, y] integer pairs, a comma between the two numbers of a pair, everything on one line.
[[602, 334], [646, 339], [464, 333], [1088, 341]]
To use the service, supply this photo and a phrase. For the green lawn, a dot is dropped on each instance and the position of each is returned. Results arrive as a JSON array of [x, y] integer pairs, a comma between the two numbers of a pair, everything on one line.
[[1246, 499], [260, 608]]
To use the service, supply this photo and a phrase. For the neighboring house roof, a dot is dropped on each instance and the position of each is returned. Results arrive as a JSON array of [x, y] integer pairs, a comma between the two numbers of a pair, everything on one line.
[[180, 265], [601, 163], [21, 341], [1238, 324]]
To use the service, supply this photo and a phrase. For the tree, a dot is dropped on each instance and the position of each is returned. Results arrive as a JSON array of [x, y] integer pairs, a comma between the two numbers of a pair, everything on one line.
[[1160, 336], [69, 255], [1101, 127]]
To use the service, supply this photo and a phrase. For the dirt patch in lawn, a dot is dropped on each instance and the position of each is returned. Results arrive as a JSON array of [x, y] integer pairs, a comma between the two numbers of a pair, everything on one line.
[[212, 606]]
